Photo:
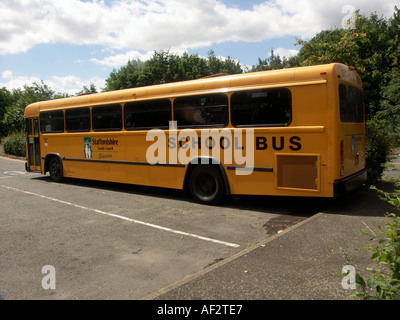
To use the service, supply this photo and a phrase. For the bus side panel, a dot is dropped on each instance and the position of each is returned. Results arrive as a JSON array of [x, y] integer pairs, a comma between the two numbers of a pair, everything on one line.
[[292, 160], [285, 164], [147, 155], [136, 172], [55, 143], [91, 155]]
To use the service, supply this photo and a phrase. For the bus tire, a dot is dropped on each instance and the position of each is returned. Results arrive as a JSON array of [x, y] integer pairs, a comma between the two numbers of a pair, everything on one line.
[[207, 185], [56, 169]]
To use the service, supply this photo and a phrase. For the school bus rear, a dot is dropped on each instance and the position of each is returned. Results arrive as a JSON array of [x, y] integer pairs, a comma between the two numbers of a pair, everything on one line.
[[349, 126]]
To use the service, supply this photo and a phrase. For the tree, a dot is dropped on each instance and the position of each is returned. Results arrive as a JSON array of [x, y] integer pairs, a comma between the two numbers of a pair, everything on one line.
[[273, 62], [14, 110], [161, 68], [390, 104], [88, 90], [126, 77], [222, 65], [364, 47], [166, 67], [5, 100], [372, 47]]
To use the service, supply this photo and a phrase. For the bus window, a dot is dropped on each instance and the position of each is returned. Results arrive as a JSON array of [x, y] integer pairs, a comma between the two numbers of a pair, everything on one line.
[[351, 103], [35, 127], [77, 120], [205, 110], [52, 121], [270, 107], [28, 126], [147, 114], [107, 118]]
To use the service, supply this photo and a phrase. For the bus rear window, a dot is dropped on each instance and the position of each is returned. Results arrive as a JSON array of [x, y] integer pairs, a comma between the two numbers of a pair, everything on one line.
[[351, 104]]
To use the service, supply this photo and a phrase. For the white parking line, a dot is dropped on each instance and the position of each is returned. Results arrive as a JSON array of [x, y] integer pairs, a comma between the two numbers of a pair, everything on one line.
[[14, 173], [233, 245]]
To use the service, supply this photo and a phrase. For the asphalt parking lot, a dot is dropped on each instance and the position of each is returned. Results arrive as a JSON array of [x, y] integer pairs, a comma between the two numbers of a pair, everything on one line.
[[94, 240]]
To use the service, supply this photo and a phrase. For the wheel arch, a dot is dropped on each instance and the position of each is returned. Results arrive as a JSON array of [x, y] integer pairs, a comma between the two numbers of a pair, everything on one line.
[[47, 159], [198, 161]]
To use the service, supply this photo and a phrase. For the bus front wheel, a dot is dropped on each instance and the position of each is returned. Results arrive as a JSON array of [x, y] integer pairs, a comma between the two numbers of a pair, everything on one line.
[[207, 185], [55, 169]]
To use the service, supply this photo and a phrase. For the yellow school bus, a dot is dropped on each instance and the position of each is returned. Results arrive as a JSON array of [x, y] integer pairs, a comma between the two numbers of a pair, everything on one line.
[[290, 132]]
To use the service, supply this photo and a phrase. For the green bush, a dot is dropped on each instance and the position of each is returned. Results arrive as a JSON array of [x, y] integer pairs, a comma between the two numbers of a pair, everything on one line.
[[379, 141], [384, 283], [15, 144]]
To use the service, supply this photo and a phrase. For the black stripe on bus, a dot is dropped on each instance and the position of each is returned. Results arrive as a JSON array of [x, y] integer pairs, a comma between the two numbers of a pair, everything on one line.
[[126, 162], [261, 169]]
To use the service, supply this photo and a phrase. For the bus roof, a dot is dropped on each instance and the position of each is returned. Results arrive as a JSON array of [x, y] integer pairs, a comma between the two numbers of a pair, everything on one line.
[[223, 83]]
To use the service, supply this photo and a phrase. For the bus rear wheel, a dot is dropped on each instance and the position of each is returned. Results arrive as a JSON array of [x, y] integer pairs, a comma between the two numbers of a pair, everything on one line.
[[207, 185], [55, 169]]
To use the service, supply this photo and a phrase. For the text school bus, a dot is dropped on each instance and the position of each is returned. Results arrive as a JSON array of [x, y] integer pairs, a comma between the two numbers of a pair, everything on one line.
[[290, 132]]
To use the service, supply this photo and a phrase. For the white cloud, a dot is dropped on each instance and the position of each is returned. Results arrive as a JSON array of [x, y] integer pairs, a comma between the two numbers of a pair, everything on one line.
[[69, 84], [138, 27], [123, 58], [7, 74], [146, 25], [14, 82], [72, 84], [282, 52]]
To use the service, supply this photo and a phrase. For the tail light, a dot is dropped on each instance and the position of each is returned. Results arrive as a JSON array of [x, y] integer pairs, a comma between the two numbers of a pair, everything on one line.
[[341, 158], [341, 153]]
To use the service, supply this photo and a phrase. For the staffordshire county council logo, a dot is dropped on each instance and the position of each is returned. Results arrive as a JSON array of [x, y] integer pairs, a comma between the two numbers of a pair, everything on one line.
[[87, 147]]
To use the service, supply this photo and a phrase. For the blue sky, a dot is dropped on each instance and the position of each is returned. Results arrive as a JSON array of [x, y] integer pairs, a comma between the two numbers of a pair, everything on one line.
[[72, 43]]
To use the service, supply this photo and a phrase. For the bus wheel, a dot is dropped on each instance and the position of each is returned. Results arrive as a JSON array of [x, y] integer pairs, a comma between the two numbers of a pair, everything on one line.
[[55, 169], [207, 185]]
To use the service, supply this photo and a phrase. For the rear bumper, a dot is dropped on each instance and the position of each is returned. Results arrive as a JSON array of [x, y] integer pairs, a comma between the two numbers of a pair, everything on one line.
[[350, 184]]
